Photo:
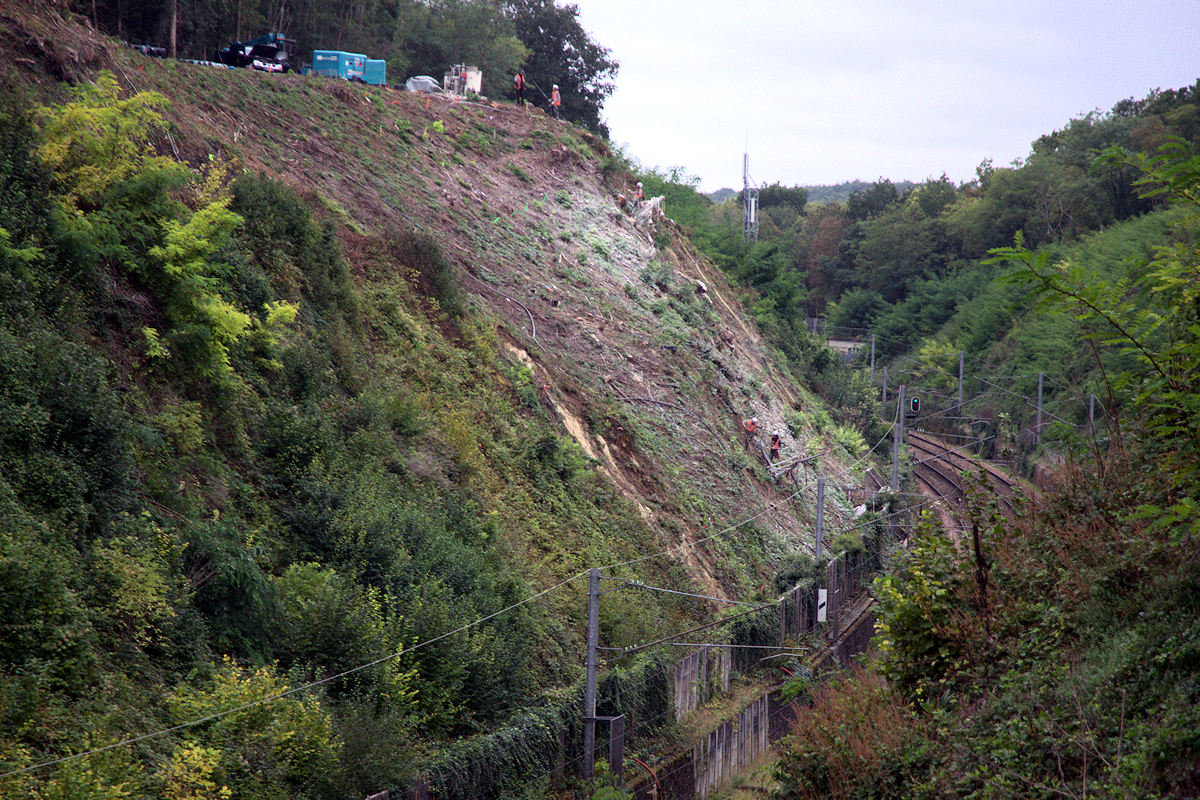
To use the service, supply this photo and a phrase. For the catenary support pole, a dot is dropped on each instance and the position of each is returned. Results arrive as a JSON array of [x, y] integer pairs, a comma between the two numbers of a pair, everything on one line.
[[883, 397], [589, 692], [872, 358], [820, 514], [960, 374], [897, 435], [1038, 427]]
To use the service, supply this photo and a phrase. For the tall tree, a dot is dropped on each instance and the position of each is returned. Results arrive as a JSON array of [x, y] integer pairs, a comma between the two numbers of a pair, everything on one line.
[[867, 203], [562, 52], [477, 32]]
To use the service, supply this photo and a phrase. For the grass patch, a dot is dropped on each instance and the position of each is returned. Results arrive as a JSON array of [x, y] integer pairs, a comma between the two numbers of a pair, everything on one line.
[[519, 173]]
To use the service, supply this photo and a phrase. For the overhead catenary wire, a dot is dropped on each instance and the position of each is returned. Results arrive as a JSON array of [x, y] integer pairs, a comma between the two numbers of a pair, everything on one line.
[[640, 585], [628, 651], [770, 507], [650, 721]]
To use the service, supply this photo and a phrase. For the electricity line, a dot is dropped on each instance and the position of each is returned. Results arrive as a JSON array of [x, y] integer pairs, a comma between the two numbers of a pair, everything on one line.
[[640, 585], [294, 690]]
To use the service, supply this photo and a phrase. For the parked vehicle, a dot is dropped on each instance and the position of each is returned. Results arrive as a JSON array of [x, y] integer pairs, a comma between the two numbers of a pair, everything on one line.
[[339, 64], [376, 72], [271, 52]]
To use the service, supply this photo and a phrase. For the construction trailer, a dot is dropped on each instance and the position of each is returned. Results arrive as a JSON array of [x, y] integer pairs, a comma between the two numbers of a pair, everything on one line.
[[463, 78], [339, 64], [376, 72]]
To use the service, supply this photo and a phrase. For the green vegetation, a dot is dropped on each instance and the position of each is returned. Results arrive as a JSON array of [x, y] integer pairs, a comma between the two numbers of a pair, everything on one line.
[[913, 269], [229, 468], [267, 440], [1057, 653]]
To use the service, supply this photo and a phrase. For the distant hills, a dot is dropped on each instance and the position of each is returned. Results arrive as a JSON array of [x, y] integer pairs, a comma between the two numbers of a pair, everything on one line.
[[836, 193]]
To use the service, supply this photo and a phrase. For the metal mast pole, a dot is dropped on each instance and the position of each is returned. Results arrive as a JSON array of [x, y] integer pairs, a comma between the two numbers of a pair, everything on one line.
[[897, 435], [589, 692], [820, 514], [872, 358], [749, 202], [960, 376], [1039, 409]]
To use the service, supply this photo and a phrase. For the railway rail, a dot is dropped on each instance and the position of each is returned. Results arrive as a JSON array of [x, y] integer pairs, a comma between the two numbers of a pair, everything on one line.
[[939, 463]]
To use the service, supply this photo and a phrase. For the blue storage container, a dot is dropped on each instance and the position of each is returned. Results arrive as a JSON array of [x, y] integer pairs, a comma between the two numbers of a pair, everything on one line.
[[376, 72], [339, 64]]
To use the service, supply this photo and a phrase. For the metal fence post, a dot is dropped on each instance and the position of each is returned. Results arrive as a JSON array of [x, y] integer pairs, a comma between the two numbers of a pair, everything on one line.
[[616, 745]]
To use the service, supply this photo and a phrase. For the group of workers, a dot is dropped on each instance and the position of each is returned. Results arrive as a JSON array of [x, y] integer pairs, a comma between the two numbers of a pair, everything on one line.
[[751, 426], [555, 96]]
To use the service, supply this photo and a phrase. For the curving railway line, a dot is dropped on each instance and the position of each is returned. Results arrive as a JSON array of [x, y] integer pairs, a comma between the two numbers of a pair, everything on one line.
[[939, 467]]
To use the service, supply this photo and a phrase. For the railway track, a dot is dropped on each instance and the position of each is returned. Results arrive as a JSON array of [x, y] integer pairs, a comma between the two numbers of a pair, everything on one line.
[[940, 484], [937, 464]]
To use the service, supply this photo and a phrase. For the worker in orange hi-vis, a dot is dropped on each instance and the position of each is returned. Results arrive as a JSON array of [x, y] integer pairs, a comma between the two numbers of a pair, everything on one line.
[[519, 85], [555, 101], [751, 428], [776, 440]]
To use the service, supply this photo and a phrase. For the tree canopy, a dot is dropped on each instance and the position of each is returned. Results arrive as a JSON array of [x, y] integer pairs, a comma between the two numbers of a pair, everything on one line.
[[562, 52]]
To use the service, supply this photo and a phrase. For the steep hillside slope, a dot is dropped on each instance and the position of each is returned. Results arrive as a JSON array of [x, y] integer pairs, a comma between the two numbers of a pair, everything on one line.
[[609, 316], [320, 375]]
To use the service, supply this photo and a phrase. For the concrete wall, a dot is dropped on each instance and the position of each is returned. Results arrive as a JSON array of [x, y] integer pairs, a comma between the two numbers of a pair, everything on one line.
[[697, 677], [731, 748]]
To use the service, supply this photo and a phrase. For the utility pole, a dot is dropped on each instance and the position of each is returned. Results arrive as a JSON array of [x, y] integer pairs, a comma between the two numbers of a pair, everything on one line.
[[820, 514], [883, 398], [960, 374], [589, 692], [1039, 409], [872, 358], [897, 435]]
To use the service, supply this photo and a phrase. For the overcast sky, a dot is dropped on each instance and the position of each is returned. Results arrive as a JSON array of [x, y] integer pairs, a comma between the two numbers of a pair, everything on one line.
[[836, 90]]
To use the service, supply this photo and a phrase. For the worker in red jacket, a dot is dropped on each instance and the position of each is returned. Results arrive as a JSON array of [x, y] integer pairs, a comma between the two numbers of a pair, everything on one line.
[[555, 101]]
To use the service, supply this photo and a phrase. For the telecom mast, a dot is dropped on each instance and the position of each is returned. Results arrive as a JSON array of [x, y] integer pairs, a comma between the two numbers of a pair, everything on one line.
[[749, 202]]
